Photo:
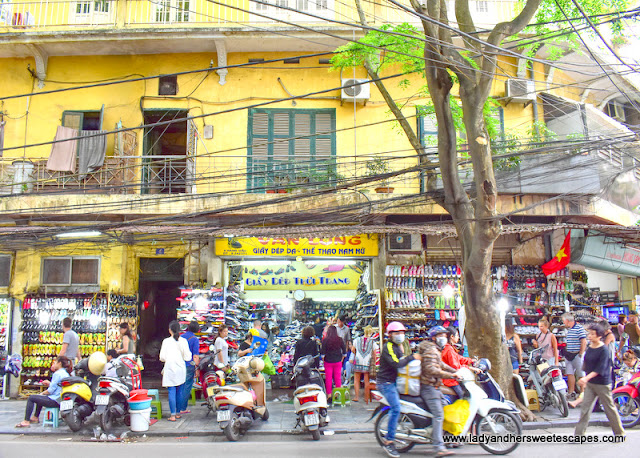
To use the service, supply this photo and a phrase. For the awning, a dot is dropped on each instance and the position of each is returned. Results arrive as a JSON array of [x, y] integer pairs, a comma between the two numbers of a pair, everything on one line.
[[605, 253]]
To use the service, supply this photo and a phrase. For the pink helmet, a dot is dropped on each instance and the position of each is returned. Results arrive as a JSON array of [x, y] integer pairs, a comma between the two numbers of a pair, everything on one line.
[[396, 326]]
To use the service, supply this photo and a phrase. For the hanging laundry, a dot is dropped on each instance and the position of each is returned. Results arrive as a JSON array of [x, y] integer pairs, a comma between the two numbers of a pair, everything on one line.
[[91, 151], [63, 153]]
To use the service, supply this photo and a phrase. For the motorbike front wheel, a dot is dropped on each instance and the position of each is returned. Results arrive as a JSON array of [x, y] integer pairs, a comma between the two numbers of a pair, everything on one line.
[[405, 424], [73, 420], [628, 408], [498, 422], [232, 430]]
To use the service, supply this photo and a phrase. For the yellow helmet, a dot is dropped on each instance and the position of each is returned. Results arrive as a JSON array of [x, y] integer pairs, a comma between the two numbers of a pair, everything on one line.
[[97, 361], [256, 364]]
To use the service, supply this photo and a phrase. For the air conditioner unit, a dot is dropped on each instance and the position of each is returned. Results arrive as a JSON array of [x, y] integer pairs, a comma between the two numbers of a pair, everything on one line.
[[354, 89], [523, 91], [404, 242]]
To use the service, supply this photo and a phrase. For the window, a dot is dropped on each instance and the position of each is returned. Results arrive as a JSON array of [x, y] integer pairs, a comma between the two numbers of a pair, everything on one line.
[[67, 271], [482, 6], [169, 11], [5, 270], [168, 85], [83, 120], [288, 147]]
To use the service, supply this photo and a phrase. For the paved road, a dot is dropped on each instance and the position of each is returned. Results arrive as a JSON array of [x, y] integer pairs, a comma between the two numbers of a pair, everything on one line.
[[343, 446]]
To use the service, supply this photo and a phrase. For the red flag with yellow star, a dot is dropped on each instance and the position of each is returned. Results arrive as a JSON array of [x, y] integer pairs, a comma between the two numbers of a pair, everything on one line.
[[561, 259]]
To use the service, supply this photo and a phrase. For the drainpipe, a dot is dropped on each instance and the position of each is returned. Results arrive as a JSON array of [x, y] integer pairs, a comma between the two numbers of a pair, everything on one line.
[[534, 105]]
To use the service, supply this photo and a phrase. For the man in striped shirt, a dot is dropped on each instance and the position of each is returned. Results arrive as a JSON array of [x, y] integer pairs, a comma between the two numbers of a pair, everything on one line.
[[574, 352]]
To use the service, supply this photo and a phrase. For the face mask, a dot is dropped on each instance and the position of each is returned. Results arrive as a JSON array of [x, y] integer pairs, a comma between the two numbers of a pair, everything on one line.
[[397, 339], [441, 342]]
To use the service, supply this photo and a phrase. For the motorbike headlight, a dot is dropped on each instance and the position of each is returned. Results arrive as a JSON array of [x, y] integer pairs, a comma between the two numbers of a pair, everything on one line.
[[484, 365]]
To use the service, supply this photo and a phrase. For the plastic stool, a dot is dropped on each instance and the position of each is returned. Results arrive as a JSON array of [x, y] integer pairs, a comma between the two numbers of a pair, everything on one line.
[[51, 416], [341, 396], [156, 404], [192, 401]]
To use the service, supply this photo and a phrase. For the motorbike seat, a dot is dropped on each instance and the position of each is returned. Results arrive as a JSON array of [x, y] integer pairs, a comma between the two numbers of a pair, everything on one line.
[[234, 387], [75, 380], [306, 388], [417, 400]]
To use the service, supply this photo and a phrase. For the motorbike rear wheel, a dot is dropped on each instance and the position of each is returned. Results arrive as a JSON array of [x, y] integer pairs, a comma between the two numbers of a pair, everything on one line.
[[404, 425], [561, 402], [73, 420], [232, 430], [106, 419], [315, 434], [265, 415], [628, 408], [506, 423]]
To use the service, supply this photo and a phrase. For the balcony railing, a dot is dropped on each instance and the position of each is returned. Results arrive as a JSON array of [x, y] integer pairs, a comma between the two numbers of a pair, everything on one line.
[[130, 14]]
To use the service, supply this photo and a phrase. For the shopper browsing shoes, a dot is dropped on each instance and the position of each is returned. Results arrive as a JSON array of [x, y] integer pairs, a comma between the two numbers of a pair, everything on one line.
[[433, 370], [574, 352], [596, 384]]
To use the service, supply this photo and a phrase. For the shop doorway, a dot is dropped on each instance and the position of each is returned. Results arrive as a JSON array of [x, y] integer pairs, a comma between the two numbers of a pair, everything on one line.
[[160, 281]]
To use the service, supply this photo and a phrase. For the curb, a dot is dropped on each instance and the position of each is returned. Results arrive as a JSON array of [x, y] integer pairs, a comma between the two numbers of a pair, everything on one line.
[[529, 426]]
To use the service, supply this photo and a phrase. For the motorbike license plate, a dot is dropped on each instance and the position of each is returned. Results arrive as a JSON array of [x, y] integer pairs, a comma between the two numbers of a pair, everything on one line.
[[224, 415], [66, 405], [560, 384], [311, 418], [102, 400]]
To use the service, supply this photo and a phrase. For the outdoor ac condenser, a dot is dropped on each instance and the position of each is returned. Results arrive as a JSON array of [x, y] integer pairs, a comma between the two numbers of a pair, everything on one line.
[[355, 89], [523, 91], [404, 242]]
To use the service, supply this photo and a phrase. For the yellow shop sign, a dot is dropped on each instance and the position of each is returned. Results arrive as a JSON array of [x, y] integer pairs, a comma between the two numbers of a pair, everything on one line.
[[365, 245], [307, 275]]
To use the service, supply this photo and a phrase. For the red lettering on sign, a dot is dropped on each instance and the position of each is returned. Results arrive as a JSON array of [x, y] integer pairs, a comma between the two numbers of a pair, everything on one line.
[[263, 240], [340, 240], [355, 240], [293, 241], [279, 241]]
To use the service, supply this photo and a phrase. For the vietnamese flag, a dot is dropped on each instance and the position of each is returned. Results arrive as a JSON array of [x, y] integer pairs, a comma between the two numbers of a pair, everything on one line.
[[561, 259]]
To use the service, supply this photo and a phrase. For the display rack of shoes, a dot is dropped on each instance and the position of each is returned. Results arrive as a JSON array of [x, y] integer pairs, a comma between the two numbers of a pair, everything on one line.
[[122, 309], [207, 307], [6, 306]]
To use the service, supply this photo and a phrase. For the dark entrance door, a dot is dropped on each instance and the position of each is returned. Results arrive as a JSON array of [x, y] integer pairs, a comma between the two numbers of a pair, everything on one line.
[[160, 281]]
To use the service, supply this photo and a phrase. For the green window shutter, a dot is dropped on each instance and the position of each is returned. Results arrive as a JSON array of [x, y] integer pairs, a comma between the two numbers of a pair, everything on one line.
[[285, 147]]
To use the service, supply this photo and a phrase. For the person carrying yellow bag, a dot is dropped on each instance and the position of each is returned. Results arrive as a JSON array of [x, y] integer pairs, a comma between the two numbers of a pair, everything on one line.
[[433, 370]]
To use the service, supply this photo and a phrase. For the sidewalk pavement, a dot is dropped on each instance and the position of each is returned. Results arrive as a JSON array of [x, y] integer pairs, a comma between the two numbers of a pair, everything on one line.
[[282, 420]]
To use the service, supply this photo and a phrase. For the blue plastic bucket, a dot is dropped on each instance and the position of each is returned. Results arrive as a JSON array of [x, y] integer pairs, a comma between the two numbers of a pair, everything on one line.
[[140, 405]]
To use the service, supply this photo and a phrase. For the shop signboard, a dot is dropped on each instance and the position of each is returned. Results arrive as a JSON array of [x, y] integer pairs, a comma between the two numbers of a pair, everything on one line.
[[352, 246], [308, 276], [605, 253]]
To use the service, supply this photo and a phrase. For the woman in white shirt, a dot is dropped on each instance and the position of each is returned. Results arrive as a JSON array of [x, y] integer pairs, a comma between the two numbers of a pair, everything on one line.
[[173, 353], [222, 359]]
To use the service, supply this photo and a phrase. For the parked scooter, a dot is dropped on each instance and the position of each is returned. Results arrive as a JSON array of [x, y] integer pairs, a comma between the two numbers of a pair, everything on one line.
[[78, 392], [238, 405], [210, 377], [487, 415], [112, 399], [627, 400], [548, 383], [309, 398]]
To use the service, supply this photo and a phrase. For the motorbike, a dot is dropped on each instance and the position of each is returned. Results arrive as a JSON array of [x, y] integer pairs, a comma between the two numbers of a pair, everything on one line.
[[77, 395], [239, 404], [309, 398], [112, 398], [548, 383], [626, 399], [210, 377], [489, 414]]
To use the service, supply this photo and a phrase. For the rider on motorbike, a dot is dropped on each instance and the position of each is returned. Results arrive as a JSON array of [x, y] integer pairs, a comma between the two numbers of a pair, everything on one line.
[[433, 370], [393, 358]]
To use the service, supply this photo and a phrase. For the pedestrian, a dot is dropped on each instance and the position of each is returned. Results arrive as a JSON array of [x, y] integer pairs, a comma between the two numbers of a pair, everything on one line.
[[363, 348], [174, 353], [632, 329], [576, 340], [453, 359], [307, 346], [70, 341], [545, 339], [318, 326], [597, 382], [433, 370], [110, 369], [630, 366], [257, 330], [128, 342], [194, 348], [245, 346], [394, 356], [50, 397], [222, 358], [333, 349], [515, 346], [622, 320]]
